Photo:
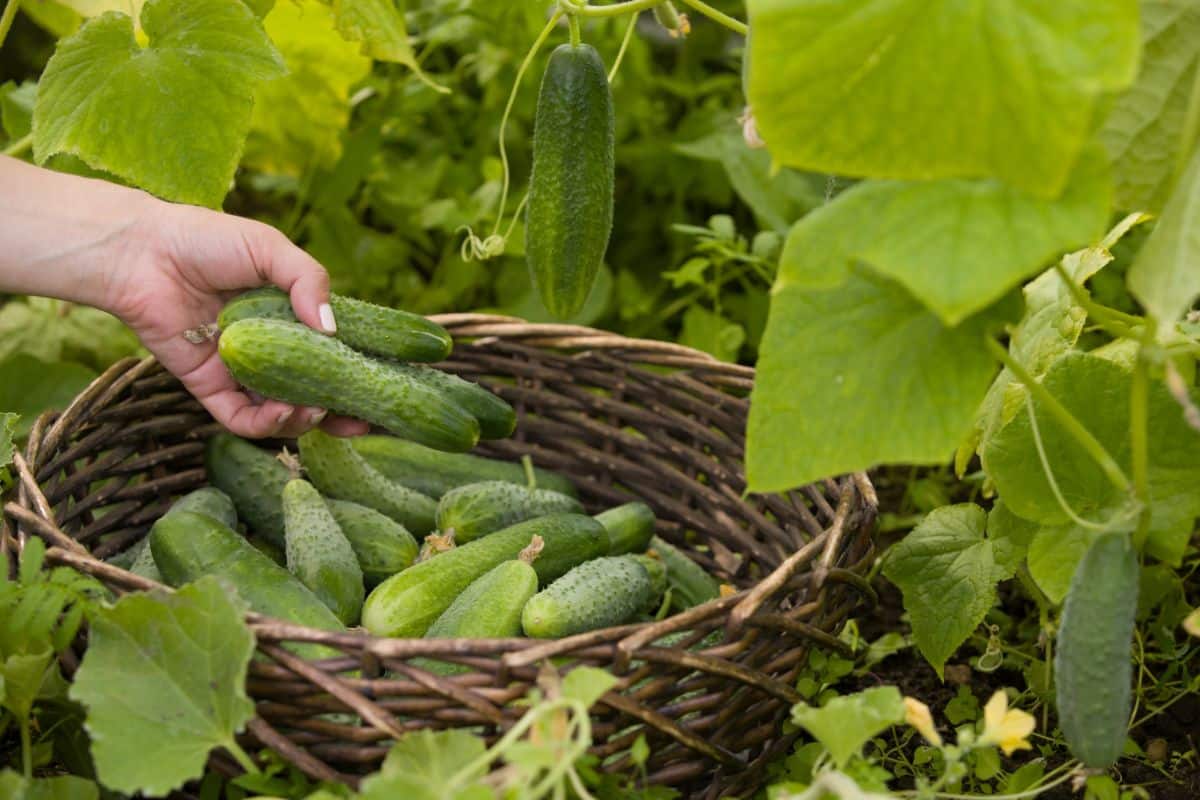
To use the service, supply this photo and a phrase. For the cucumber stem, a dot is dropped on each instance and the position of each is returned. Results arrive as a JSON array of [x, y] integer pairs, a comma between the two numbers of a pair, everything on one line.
[[530, 474], [737, 26], [1139, 434], [573, 25], [533, 550]]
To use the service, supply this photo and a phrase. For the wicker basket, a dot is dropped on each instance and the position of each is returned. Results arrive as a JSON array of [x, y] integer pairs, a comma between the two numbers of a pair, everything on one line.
[[624, 419]]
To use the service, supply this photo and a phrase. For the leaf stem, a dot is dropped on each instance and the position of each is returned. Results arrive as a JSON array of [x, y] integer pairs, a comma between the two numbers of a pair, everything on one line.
[[19, 146], [239, 755], [6, 19], [1139, 434], [737, 26], [1112, 470], [612, 73]]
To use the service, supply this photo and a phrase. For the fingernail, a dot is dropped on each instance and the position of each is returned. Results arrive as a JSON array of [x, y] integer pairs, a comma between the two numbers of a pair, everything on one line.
[[317, 416], [284, 416], [327, 321]]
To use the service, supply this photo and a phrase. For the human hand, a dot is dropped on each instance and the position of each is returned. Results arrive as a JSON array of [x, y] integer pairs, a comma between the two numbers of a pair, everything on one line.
[[180, 265]]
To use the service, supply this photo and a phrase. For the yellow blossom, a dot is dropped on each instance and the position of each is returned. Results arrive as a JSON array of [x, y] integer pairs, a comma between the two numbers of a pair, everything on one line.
[[1005, 727], [917, 715]]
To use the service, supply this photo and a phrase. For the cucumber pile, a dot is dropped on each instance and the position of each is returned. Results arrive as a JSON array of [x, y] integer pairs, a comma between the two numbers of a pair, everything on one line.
[[329, 533]]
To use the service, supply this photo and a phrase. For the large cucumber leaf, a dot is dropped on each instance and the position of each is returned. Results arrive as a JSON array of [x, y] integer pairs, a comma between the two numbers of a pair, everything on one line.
[[1165, 276]]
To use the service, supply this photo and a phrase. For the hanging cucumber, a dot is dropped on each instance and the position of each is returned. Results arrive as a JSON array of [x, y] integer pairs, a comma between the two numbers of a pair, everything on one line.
[[319, 554], [334, 467], [478, 509], [408, 603], [1093, 665], [366, 327], [292, 362], [596, 594], [253, 478], [433, 473], [570, 211]]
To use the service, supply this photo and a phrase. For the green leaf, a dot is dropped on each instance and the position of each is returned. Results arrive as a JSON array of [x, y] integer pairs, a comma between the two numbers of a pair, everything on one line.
[[421, 765], [16, 108], [861, 375], [957, 245], [587, 684], [14, 786], [298, 119], [29, 386], [846, 723], [202, 54], [1164, 274], [924, 89], [1096, 391], [712, 333], [52, 331], [1010, 536], [948, 573], [379, 25], [25, 675], [1144, 130], [777, 198], [1053, 555], [53, 16], [165, 674]]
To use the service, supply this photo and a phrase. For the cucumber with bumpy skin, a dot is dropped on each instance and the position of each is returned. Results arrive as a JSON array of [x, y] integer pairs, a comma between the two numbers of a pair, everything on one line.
[[319, 554], [209, 501], [382, 545], [408, 603], [381, 331], [478, 509], [690, 584], [434, 473], [253, 478], [596, 594], [187, 546], [294, 363], [570, 211], [497, 420], [334, 467], [629, 527], [1093, 668]]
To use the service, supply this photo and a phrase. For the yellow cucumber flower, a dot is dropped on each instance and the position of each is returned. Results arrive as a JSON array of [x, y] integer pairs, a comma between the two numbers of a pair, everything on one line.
[[1007, 728], [917, 715]]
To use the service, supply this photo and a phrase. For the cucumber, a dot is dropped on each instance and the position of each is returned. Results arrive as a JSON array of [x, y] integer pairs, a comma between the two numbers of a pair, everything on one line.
[[366, 327], [382, 545], [319, 554], [434, 473], [253, 478], [1093, 665], [490, 608], [690, 584], [269, 549], [408, 603], [478, 509], [292, 362], [629, 527], [497, 420], [596, 594], [208, 501], [570, 211], [336, 468], [187, 546]]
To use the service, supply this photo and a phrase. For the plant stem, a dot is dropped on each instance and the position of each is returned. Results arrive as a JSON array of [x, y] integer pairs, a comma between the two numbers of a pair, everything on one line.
[[1073, 427], [1139, 436], [612, 73], [1116, 322], [614, 10], [573, 24], [734, 25], [239, 755], [6, 19], [19, 146], [26, 741]]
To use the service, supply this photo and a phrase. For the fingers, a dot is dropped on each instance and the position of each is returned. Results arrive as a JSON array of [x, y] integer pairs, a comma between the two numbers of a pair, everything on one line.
[[285, 265], [344, 426]]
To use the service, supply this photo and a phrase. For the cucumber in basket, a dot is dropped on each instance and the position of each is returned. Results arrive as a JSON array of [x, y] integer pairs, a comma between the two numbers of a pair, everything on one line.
[[382, 545], [408, 603], [208, 501], [478, 509], [433, 473], [292, 362], [690, 584], [336, 468], [596, 594], [253, 478], [319, 554], [629, 527], [366, 327]]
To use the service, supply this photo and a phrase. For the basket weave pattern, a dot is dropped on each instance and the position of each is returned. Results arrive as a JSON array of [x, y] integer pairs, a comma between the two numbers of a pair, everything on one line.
[[624, 419]]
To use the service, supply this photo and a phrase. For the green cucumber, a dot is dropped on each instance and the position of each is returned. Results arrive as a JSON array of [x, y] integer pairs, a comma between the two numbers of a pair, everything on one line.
[[187, 546], [208, 501], [382, 545], [434, 473], [366, 327], [596, 594], [570, 211], [490, 608], [336, 468], [253, 478], [478, 509], [629, 527], [319, 554], [408, 603], [1093, 662], [497, 420], [269, 549], [292, 362], [690, 584]]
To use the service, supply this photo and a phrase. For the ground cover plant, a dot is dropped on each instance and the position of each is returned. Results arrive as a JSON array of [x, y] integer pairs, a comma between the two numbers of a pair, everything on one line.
[[960, 243]]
